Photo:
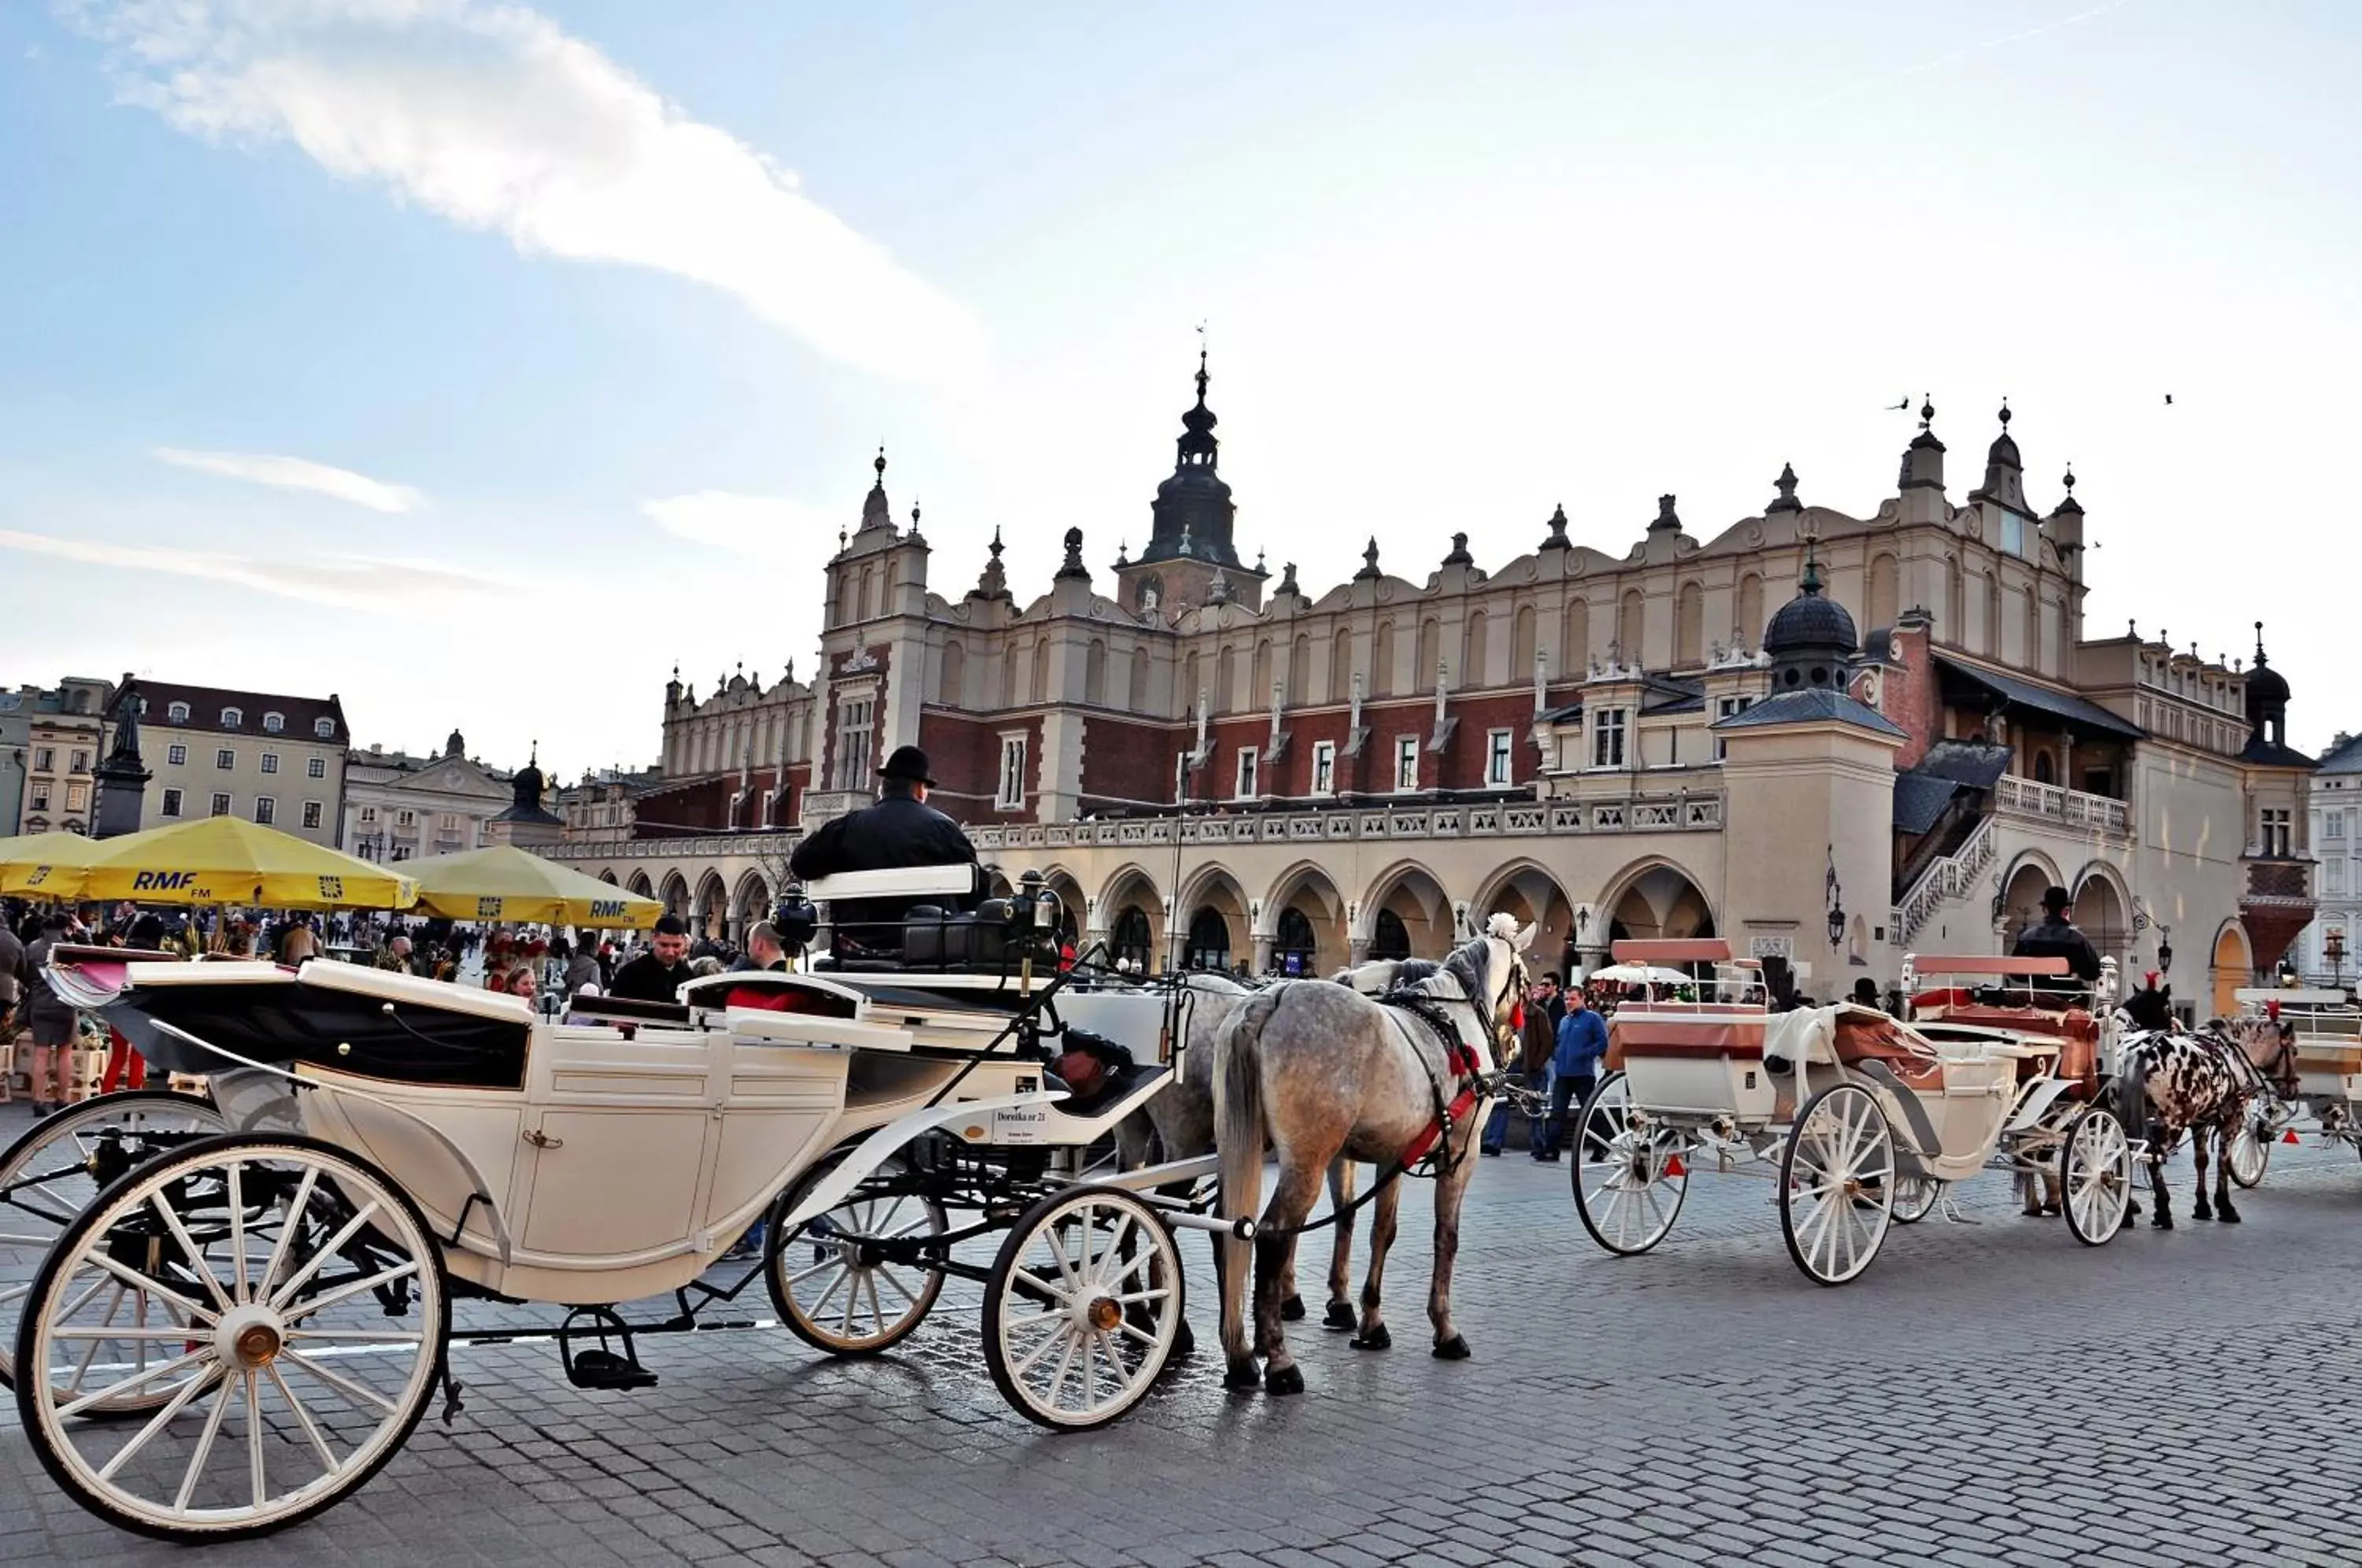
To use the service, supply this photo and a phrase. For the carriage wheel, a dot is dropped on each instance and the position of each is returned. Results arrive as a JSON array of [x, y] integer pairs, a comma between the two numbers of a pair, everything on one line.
[[1082, 1307], [2251, 1147], [1629, 1178], [2096, 1176], [312, 1319], [1914, 1196], [56, 1169], [829, 1282], [1837, 1182]]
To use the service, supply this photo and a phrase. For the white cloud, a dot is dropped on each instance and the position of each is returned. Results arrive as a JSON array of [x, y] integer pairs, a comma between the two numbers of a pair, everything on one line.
[[355, 582], [770, 526], [490, 117], [297, 473]]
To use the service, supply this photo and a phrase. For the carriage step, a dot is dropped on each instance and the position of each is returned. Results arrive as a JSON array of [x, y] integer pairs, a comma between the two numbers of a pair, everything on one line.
[[611, 1363]]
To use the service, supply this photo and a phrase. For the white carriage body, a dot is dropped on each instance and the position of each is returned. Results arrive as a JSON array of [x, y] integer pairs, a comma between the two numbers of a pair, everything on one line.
[[2328, 1042]]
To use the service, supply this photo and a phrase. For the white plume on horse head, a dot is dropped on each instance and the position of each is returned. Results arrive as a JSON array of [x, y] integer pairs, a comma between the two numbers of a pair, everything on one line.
[[1504, 925]]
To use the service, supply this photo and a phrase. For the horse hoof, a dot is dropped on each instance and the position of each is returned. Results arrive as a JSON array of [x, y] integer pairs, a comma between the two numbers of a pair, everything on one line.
[[1338, 1316], [2162, 1223], [1241, 1376], [2202, 1214], [1183, 1341], [1453, 1349], [1376, 1338], [1283, 1380], [1292, 1309], [2227, 1218]]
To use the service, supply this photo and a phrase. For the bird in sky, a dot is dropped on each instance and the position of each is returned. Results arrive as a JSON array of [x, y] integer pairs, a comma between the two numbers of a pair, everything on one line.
[[2168, 400], [1904, 406]]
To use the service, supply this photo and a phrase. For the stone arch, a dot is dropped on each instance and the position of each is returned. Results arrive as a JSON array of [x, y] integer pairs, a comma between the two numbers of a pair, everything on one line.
[[1474, 652], [1094, 662], [1212, 901], [1191, 684], [1009, 661], [1226, 681], [1427, 652], [637, 883], [1655, 897], [1689, 626], [2104, 908], [1131, 892], [676, 894], [1885, 602], [1574, 640], [953, 682], [1071, 906], [1382, 660], [1631, 625], [750, 902], [608, 877], [1038, 670], [2022, 887], [1521, 644], [1341, 667], [1135, 696], [1751, 609], [712, 906], [1528, 891], [1409, 893], [1258, 678], [2233, 965], [1956, 598], [1321, 945], [1299, 669]]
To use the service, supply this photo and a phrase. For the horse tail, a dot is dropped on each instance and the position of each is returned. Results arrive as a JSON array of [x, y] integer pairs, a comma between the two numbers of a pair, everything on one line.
[[1238, 1145]]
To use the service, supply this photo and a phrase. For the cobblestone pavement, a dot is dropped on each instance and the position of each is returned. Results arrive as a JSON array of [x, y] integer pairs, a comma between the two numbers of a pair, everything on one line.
[[1988, 1394]]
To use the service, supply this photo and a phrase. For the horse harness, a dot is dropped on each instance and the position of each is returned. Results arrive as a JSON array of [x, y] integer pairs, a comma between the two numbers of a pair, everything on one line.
[[1471, 1084]]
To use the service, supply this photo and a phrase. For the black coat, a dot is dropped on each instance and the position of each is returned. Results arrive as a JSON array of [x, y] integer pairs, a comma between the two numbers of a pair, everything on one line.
[[2057, 939], [645, 979], [898, 833]]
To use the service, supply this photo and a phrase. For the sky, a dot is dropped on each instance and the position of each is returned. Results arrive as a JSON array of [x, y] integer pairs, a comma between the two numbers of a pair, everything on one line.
[[479, 362]]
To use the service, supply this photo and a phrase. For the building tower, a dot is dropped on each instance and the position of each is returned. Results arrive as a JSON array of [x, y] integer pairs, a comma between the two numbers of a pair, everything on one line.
[[1189, 542]]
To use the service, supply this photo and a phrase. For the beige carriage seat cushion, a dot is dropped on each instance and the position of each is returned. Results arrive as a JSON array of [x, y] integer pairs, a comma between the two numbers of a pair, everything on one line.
[[1860, 1034]]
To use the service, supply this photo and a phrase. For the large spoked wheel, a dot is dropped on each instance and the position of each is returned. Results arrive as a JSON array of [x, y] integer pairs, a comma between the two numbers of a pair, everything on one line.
[[2251, 1147], [310, 1322], [2096, 1173], [1082, 1307], [1915, 1196], [1629, 1178], [1836, 1184], [852, 1282], [56, 1169]]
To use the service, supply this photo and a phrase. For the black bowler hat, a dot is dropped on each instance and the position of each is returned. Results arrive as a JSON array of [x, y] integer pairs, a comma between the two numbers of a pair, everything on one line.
[[908, 762], [2055, 900]]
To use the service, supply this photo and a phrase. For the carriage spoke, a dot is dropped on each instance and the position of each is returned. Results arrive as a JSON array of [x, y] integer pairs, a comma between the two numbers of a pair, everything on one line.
[[189, 1250], [383, 1277], [296, 1209], [237, 1249], [334, 1245], [136, 1380], [359, 1393], [893, 1282], [155, 1288], [205, 1449], [255, 1468], [156, 1423], [330, 1462], [1065, 1364]]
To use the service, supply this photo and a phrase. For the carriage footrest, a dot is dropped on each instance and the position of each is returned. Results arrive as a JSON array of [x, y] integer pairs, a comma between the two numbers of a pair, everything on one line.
[[598, 1352]]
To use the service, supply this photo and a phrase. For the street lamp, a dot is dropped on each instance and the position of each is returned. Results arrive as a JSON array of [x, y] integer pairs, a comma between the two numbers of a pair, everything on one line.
[[2332, 947]]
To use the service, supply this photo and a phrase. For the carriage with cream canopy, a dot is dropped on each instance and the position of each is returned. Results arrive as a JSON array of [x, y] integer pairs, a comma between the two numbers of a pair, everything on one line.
[[1860, 1119], [2318, 1077], [253, 1315]]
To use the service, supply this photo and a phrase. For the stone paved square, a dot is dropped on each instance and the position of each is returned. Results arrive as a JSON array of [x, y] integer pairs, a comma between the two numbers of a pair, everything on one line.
[[1988, 1393]]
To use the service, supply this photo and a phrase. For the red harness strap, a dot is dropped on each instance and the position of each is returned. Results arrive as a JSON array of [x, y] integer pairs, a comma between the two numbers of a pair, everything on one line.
[[1465, 1067]]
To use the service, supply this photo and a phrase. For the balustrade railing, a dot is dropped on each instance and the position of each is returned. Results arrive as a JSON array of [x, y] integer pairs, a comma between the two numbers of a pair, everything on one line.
[[1953, 876], [2070, 808]]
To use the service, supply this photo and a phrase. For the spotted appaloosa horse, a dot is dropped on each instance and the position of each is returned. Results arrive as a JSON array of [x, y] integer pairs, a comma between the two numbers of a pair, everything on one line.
[[2168, 1082], [1326, 1074]]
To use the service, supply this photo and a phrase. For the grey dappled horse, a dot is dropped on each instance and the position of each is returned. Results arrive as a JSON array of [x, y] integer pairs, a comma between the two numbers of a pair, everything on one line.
[[1325, 1073]]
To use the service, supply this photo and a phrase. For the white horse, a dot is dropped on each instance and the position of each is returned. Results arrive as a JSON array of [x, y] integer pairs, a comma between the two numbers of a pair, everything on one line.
[[1326, 1074]]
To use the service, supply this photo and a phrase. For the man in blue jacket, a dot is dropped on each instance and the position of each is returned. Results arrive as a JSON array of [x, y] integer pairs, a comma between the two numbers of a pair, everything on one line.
[[1574, 1068]]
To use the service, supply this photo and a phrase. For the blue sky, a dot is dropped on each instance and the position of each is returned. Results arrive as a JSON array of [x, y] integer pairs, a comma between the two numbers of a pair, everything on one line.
[[573, 329]]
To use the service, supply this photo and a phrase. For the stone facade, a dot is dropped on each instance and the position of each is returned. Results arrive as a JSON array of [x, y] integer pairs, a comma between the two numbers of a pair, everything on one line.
[[1212, 772], [399, 806], [51, 739], [268, 758]]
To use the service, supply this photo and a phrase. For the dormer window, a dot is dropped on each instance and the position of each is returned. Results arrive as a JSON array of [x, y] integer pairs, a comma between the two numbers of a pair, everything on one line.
[[232, 718], [273, 723], [177, 713], [325, 728]]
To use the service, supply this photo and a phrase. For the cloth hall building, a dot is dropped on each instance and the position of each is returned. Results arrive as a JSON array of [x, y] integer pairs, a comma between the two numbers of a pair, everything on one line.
[[1830, 737]]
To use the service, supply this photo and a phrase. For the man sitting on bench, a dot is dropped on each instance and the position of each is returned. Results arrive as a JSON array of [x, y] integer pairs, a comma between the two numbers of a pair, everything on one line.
[[2055, 937], [899, 832]]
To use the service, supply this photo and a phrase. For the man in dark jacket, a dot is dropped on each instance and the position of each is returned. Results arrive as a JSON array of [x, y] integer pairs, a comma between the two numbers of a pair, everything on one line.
[[1530, 1068], [658, 973], [899, 832], [2055, 937]]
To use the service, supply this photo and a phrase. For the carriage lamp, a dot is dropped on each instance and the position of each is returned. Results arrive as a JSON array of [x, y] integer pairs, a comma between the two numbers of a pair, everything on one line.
[[2332, 947]]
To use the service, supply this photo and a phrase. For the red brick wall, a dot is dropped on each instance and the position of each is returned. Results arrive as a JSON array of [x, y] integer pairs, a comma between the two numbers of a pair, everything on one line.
[[966, 756], [1912, 696], [1465, 754], [1127, 759]]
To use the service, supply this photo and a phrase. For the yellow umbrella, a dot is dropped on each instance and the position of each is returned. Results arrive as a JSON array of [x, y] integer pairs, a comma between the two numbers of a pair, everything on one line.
[[505, 883], [227, 860], [46, 864]]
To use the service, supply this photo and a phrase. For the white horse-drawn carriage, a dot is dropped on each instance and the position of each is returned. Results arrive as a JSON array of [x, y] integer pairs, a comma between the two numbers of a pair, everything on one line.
[[2318, 1076], [1861, 1119], [252, 1310]]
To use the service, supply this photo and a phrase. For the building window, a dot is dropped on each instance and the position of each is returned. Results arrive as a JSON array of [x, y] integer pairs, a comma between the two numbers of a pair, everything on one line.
[[273, 723], [1608, 738], [176, 754], [405, 819], [39, 794], [1244, 785], [266, 810], [76, 797], [177, 713], [1406, 763], [172, 806], [2276, 831], [1324, 767], [853, 731], [1012, 794], [271, 762], [1723, 708], [232, 718], [81, 762], [2335, 824], [1497, 756], [2336, 886], [317, 769], [369, 815], [45, 760], [1180, 777], [225, 759], [221, 804], [325, 728], [311, 814]]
